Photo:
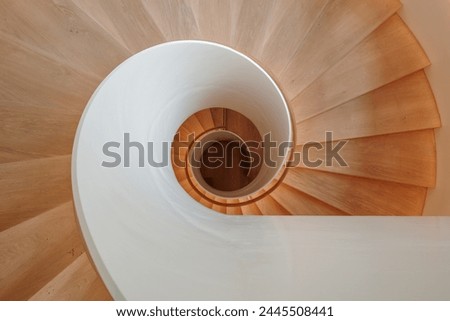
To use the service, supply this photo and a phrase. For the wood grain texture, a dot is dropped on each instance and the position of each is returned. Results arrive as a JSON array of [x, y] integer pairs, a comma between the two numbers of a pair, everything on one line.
[[233, 210], [408, 158], [64, 32], [35, 251], [250, 209], [269, 206], [35, 80], [214, 20], [291, 21], [175, 18], [253, 20], [29, 188], [358, 196], [217, 115], [205, 119], [342, 25], [299, 203], [219, 208], [404, 105], [388, 54], [192, 125], [128, 22], [77, 282], [28, 132]]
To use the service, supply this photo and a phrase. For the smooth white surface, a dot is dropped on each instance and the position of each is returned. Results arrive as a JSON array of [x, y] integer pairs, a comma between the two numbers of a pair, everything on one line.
[[430, 23], [150, 240]]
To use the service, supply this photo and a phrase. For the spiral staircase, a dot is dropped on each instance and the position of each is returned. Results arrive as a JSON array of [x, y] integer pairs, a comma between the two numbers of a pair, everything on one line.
[[350, 67]]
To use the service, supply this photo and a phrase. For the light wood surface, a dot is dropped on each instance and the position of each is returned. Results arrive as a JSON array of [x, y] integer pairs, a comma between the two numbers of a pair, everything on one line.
[[388, 54], [29, 132], [64, 32], [36, 80], [250, 209], [358, 196], [253, 19], [341, 26], [128, 21], [405, 105], [29, 188], [34, 252], [408, 158], [212, 26], [269, 206], [298, 203], [78, 282], [288, 16], [175, 19]]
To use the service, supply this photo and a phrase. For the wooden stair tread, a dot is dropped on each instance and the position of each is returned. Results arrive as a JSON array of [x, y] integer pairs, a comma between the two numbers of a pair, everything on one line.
[[405, 105], [391, 52], [269, 206], [251, 24], [290, 23], [35, 251], [299, 203], [31, 79], [79, 281], [30, 132], [29, 188], [127, 21], [250, 209], [205, 119], [175, 19], [341, 26], [212, 26], [217, 115], [358, 196], [408, 158], [63, 31]]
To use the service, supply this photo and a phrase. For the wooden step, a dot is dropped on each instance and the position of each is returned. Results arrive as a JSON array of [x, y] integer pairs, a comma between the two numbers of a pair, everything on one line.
[[269, 206], [299, 203], [211, 25], [63, 31], [35, 251], [252, 22], [193, 126], [341, 26], [250, 209], [217, 115], [78, 282], [408, 158], [233, 210], [29, 188], [405, 105], [290, 23], [31, 79], [175, 19], [219, 208], [388, 54], [358, 196], [128, 22], [30, 132], [204, 117]]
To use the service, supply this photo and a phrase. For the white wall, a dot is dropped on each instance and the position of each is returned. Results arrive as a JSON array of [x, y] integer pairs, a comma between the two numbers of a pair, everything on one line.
[[430, 22]]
